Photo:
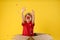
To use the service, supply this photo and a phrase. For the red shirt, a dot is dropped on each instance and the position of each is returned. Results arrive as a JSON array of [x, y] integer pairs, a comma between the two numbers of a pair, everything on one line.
[[28, 28]]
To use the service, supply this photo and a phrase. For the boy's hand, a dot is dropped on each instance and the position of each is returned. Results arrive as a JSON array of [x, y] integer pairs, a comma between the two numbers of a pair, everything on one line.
[[23, 9], [32, 11]]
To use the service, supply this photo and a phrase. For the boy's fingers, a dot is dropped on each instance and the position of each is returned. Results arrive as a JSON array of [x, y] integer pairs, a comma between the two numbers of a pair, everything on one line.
[[32, 11], [23, 9]]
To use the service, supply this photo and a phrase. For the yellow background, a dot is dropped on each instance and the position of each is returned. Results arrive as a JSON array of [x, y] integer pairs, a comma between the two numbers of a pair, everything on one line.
[[47, 17]]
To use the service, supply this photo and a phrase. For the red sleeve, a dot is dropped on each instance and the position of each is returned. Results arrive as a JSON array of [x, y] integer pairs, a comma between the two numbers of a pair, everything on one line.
[[33, 24], [23, 23]]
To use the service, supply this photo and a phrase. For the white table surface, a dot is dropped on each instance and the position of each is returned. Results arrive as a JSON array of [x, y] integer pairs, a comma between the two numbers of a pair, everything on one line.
[[38, 37]]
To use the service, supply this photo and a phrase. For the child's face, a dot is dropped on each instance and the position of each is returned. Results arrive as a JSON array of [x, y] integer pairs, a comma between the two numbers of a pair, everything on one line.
[[28, 18]]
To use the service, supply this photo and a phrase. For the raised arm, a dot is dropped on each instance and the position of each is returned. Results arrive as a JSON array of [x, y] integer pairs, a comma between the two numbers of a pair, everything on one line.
[[23, 18], [33, 16]]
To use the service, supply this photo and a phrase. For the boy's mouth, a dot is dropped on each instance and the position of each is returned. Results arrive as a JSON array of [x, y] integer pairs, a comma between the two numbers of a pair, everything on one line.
[[28, 17]]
